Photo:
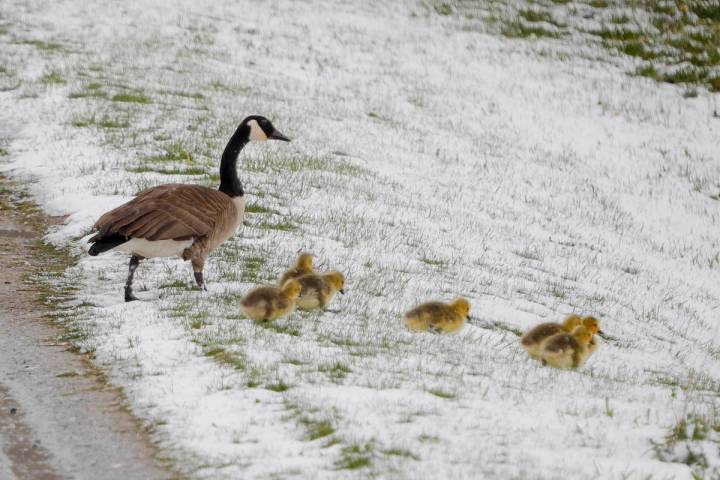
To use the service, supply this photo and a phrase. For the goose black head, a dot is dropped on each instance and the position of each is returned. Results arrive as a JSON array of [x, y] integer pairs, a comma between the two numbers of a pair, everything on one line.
[[260, 128]]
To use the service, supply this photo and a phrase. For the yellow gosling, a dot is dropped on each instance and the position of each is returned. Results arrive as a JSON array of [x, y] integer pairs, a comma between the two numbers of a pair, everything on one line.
[[303, 265], [318, 289], [270, 303], [438, 317], [564, 350], [592, 324], [533, 339]]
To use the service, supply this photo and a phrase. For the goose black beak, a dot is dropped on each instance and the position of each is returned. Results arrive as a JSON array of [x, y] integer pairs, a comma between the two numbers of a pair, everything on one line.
[[278, 136], [603, 335], [342, 290]]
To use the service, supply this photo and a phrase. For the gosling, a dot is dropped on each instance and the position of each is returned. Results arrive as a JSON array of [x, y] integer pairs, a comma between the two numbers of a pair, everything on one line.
[[438, 317], [533, 339], [318, 289], [303, 265], [270, 303], [593, 326], [564, 350]]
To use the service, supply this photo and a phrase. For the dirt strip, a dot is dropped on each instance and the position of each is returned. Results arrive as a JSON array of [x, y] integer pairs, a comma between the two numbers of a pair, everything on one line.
[[58, 419]]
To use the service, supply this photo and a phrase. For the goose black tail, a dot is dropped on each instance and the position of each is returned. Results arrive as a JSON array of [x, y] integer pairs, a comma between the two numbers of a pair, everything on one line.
[[104, 244]]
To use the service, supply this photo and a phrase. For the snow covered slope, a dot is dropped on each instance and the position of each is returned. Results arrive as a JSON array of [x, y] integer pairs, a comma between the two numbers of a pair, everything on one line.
[[429, 161]]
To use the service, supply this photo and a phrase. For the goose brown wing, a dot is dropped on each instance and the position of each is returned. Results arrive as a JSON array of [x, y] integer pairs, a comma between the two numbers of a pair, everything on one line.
[[167, 212]]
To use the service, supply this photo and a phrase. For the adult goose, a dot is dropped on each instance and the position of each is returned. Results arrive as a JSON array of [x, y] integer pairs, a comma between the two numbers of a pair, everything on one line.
[[186, 221]]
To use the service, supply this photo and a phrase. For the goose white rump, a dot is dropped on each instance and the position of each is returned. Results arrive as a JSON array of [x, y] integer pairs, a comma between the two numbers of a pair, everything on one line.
[[154, 248]]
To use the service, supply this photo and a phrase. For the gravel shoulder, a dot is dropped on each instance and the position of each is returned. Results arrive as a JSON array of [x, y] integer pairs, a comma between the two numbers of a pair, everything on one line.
[[58, 418]]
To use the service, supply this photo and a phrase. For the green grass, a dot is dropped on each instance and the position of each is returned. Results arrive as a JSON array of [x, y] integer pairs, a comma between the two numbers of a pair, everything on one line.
[[257, 208], [295, 163], [354, 457], [609, 411], [686, 75], [280, 328], [428, 438], [676, 42], [87, 93], [168, 170], [444, 9], [175, 152], [234, 359], [42, 45], [536, 16], [104, 122], [317, 429], [177, 93], [432, 262], [251, 268], [692, 427], [337, 371], [637, 49], [618, 34], [283, 226], [51, 78], [620, 19], [518, 29], [682, 443], [399, 452], [131, 98], [441, 393], [277, 387], [650, 72]]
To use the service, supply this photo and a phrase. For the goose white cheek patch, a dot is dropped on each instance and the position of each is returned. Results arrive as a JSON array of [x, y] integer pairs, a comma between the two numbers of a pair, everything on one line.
[[256, 133]]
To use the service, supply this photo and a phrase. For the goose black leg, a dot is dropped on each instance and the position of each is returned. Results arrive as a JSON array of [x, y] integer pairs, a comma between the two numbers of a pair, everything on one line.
[[134, 262], [198, 263], [199, 280]]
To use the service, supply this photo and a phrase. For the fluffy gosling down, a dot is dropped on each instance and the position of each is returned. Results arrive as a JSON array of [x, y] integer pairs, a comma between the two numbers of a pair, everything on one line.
[[532, 341], [270, 303], [438, 317], [592, 324], [564, 350], [303, 266], [318, 289]]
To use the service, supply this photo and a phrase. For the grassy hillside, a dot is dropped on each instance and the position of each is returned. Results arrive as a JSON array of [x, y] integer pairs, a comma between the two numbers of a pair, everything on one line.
[[501, 152]]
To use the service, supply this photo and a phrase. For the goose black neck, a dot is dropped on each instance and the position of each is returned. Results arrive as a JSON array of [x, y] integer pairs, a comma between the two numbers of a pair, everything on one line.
[[229, 182]]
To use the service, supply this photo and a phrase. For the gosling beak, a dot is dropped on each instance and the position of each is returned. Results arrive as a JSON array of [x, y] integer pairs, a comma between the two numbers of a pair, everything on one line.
[[278, 136], [342, 290], [603, 334]]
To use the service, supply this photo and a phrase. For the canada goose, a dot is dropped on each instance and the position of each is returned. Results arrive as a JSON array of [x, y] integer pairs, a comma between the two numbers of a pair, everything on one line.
[[532, 340], [270, 303], [303, 265], [438, 317], [565, 350], [186, 221], [318, 289]]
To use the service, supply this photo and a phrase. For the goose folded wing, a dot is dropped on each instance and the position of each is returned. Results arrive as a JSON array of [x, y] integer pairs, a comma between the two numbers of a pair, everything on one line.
[[168, 212]]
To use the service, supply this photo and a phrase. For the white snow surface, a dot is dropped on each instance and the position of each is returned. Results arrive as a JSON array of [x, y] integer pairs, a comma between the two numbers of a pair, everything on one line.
[[428, 162]]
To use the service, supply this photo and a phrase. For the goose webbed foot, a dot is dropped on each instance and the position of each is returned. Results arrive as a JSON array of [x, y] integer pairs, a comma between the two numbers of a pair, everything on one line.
[[129, 295], [200, 282]]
